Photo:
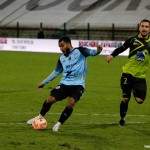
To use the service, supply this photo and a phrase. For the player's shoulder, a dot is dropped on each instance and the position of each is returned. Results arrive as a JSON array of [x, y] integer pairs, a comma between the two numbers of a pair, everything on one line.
[[80, 48], [131, 39]]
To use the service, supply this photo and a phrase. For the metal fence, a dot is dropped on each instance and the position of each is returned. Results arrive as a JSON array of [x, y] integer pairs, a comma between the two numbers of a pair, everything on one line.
[[85, 33]]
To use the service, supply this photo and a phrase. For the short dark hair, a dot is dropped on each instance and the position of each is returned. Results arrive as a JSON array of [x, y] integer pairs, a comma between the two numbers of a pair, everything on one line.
[[145, 20], [65, 39]]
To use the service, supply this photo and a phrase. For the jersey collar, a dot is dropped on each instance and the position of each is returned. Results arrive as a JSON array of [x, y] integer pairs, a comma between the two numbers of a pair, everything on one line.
[[140, 36]]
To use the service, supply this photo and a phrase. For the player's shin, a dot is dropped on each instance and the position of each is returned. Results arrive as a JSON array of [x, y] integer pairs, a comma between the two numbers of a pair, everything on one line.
[[45, 108], [65, 114], [123, 109]]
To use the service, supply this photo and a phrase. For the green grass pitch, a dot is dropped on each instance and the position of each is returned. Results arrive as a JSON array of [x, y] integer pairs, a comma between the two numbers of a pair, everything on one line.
[[94, 122]]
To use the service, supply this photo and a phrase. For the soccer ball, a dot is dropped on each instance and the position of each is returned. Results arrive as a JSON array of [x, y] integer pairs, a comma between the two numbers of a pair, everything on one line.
[[39, 123]]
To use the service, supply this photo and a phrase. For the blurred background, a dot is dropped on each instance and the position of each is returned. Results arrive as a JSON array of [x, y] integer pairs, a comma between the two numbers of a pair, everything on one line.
[[79, 19]]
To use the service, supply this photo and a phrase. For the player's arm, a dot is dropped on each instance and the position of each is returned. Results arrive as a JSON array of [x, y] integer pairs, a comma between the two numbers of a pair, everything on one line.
[[90, 52], [119, 50], [116, 52], [58, 70]]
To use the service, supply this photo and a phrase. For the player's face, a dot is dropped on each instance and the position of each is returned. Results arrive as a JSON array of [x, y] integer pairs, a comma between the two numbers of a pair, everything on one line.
[[144, 28], [64, 46]]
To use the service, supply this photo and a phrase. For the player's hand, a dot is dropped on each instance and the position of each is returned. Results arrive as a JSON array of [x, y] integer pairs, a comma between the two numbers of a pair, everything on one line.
[[109, 58], [40, 86], [99, 48]]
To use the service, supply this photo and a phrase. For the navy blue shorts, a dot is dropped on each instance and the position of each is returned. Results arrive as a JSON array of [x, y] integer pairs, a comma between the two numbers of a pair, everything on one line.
[[63, 91]]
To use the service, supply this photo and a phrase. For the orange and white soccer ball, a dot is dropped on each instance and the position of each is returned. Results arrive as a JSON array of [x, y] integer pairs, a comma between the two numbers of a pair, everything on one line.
[[39, 123]]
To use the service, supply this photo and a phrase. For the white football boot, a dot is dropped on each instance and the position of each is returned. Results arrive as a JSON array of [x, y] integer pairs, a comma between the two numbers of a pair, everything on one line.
[[29, 122], [56, 127]]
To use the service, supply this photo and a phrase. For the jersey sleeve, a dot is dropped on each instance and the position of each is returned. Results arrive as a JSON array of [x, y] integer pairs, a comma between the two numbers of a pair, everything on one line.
[[88, 52], [122, 48], [58, 70]]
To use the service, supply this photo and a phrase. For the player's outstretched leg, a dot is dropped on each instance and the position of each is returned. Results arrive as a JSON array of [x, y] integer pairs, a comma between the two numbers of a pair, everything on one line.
[[45, 108]]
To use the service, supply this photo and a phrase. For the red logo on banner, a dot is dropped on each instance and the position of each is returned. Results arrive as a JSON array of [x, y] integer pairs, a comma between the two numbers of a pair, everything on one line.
[[3, 41]]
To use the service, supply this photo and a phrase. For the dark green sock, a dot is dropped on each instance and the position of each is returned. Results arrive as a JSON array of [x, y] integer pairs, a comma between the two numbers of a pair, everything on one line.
[[65, 114], [123, 109]]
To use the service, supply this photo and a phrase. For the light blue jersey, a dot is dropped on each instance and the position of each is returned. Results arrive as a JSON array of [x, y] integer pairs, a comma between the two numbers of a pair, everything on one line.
[[73, 66]]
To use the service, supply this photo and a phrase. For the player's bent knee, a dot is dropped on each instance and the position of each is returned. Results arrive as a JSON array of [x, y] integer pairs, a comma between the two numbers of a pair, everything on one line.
[[139, 100], [51, 99], [125, 100], [71, 102]]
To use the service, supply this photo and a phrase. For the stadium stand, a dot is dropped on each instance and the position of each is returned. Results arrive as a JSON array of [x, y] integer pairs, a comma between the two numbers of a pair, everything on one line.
[[76, 14]]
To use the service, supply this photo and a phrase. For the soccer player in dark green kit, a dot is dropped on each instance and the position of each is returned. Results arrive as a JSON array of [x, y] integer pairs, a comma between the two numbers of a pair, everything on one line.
[[134, 71]]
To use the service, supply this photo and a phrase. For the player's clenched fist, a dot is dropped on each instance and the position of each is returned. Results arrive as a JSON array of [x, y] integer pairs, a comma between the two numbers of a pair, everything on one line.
[[40, 86], [109, 58], [99, 48]]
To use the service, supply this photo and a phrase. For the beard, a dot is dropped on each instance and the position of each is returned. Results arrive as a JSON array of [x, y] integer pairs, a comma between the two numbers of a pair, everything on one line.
[[67, 52]]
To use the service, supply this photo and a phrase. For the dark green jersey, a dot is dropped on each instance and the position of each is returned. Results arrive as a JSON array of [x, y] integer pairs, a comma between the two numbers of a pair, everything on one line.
[[138, 59]]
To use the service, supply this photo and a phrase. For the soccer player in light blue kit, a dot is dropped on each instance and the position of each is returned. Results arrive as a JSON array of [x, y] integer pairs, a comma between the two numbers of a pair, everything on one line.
[[74, 67]]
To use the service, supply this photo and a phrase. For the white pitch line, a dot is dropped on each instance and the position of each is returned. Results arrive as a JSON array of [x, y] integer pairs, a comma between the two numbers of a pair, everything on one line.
[[10, 123], [114, 123], [78, 114], [81, 123]]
